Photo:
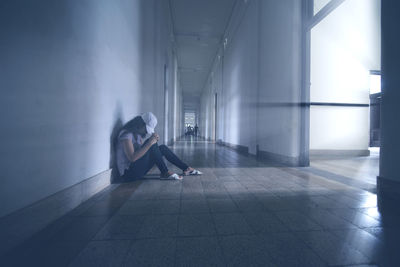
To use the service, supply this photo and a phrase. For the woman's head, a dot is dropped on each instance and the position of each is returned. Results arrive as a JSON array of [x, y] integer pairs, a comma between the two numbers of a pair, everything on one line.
[[136, 126]]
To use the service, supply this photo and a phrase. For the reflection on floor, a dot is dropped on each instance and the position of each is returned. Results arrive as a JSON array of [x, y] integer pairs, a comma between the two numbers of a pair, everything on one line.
[[241, 212], [362, 168]]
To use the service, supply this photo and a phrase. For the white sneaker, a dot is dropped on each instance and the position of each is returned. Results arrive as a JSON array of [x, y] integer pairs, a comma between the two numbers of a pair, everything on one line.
[[173, 176], [194, 172]]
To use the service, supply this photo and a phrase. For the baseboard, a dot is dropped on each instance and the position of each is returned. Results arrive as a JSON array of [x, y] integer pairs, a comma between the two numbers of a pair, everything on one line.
[[18, 226], [264, 155], [278, 158], [239, 148], [339, 153]]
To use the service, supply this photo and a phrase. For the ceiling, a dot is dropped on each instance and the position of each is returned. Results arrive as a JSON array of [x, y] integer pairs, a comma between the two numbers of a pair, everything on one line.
[[199, 26]]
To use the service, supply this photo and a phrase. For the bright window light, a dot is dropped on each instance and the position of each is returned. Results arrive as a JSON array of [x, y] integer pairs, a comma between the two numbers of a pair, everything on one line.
[[375, 84], [319, 4], [189, 119]]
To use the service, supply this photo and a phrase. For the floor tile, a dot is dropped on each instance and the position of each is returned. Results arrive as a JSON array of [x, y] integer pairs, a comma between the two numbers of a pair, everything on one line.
[[166, 206], [231, 223], [364, 242], [194, 206], [136, 207], [245, 250], [222, 205], [121, 227], [103, 208], [80, 228], [327, 203], [288, 250], [350, 202], [46, 254], [355, 217], [196, 225], [157, 226], [199, 251], [151, 252], [249, 205], [297, 221], [328, 221], [171, 190], [102, 253], [331, 249], [264, 222], [286, 204]]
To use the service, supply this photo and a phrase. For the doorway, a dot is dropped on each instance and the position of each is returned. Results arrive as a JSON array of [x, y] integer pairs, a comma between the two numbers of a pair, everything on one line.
[[344, 47], [375, 96], [190, 121]]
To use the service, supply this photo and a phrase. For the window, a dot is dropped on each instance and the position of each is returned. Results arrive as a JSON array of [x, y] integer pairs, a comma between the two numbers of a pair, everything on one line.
[[319, 4], [375, 82], [189, 119]]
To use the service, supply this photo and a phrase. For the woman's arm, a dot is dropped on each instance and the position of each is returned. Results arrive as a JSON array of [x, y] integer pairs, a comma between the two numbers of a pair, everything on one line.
[[133, 155]]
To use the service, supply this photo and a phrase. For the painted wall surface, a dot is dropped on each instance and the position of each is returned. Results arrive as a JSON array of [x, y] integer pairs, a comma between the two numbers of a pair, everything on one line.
[[71, 73], [218, 87], [239, 94], [345, 46], [206, 112], [258, 80], [175, 110], [280, 78]]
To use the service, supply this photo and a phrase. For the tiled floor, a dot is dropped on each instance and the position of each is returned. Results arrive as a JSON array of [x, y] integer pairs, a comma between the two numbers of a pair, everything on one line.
[[241, 212], [358, 171]]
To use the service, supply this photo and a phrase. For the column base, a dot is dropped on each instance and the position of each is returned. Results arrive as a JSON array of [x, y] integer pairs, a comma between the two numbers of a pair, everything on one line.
[[388, 192]]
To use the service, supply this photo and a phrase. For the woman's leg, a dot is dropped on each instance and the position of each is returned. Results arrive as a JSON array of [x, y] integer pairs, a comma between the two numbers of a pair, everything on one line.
[[156, 156], [140, 167], [171, 157]]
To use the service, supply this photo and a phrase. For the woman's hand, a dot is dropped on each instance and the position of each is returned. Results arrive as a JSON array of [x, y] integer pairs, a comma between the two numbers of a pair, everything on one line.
[[154, 138]]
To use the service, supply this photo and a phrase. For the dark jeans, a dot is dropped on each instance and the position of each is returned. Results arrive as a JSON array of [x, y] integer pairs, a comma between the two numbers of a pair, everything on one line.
[[154, 155]]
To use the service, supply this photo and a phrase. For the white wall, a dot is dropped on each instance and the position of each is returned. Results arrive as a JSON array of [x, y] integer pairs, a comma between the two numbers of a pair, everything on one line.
[[71, 71], [165, 46], [240, 90], [258, 81], [206, 112], [175, 110], [345, 46], [218, 86], [234, 79], [280, 79]]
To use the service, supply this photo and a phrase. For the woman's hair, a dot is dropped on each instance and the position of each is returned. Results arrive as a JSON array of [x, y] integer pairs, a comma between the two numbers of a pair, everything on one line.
[[134, 125]]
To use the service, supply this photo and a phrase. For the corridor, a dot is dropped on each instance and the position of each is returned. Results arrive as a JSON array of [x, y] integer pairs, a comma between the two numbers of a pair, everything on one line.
[[240, 212], [289, 108]]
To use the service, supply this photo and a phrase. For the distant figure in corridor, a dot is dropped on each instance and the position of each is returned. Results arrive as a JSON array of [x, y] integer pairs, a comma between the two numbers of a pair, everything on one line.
[[135, 158], [189, 130], [196, 129]]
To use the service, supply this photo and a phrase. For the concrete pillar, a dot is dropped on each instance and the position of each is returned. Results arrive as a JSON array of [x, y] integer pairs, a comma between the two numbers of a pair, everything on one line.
[[388, 181]]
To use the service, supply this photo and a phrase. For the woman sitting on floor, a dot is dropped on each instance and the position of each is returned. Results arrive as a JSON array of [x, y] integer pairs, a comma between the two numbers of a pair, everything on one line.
[[135, 158]]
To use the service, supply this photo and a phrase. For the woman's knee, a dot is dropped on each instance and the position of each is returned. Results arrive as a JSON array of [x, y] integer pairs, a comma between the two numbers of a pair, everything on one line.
[[154, 146], [154, 149], [163, 148]]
